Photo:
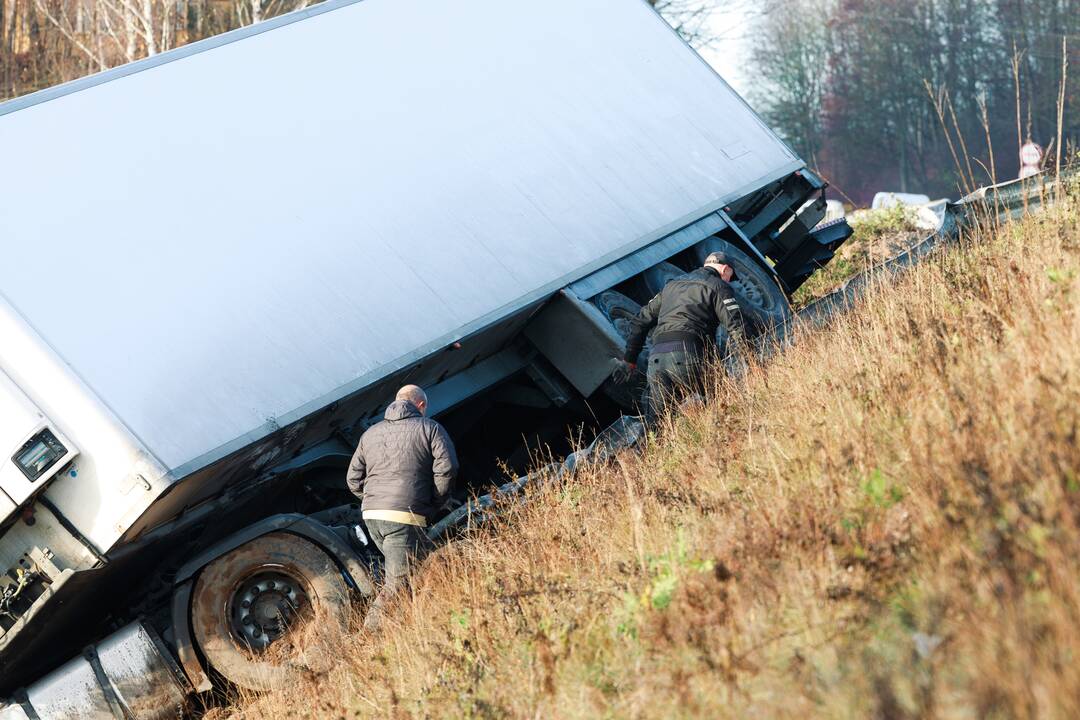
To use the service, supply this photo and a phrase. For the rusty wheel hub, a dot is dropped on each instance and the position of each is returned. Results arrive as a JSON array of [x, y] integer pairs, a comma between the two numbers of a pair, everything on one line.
[[264, 606]]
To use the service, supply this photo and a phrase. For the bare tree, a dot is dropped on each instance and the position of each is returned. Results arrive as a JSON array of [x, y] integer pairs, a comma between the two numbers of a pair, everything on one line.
[[700, 22], [846, 82], [249, 12], [690, 18], [57, 14], [74, 37], [791, 58], [109, 32]]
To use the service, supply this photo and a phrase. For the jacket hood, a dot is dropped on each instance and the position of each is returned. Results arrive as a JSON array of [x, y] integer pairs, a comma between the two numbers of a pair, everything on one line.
[[400, 410]]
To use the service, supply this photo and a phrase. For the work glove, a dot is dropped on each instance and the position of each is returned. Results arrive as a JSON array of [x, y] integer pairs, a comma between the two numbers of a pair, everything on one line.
[[622, 370]]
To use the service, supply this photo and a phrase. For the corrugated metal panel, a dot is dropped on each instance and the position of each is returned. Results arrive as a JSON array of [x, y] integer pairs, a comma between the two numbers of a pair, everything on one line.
[[227, 238]]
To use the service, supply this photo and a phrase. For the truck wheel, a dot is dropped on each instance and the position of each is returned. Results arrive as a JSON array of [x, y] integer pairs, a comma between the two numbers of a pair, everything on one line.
[[659, 275], [764, 304], [620, 310], [255, 598]]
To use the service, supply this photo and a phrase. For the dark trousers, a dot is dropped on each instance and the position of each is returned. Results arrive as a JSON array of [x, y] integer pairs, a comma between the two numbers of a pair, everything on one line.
[[672, 376], [403, 547]]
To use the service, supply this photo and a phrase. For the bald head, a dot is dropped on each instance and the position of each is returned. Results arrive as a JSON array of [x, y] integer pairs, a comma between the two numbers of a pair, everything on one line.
[[415, 395]]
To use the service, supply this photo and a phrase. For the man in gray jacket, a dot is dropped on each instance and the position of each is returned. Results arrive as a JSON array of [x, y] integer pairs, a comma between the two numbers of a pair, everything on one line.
[[402, 470]]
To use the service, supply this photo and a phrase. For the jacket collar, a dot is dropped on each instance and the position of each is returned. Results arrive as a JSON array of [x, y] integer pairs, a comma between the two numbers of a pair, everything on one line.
[[401, 410]]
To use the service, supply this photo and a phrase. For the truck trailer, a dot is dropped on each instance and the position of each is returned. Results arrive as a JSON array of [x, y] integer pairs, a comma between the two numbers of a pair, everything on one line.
[[220, 262]]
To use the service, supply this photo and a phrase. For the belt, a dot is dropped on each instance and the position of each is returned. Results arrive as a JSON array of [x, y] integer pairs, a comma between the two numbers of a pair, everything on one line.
[[398, 516], [676, 346]]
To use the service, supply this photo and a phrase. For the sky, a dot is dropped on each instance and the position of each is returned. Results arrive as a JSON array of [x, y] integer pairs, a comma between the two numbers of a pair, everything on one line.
[[729, 54]]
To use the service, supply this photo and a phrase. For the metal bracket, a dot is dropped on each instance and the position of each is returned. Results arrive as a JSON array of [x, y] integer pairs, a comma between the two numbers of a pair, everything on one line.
[[330, 451], [746, 241], [167, 657], [105, 684], [23, 701], [42, 558], [192, 667], [549, 382], [74, 531]]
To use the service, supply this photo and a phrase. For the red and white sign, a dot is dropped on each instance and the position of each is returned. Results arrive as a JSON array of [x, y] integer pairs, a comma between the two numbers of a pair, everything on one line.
[[1031, 154]]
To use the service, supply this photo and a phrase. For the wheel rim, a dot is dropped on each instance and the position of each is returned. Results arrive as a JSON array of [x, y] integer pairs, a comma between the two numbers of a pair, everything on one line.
[[748, 289], [265, 605]]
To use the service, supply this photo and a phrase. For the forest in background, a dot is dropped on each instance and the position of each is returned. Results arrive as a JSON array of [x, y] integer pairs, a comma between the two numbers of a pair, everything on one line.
[[862, 89], [47, 42], [865, 89]]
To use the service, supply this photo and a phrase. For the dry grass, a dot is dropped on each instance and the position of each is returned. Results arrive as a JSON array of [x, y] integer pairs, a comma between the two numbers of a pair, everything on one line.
[[881, 522]]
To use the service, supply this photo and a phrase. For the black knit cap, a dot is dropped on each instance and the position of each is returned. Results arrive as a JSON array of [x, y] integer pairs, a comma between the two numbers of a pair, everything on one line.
[[719, 258]]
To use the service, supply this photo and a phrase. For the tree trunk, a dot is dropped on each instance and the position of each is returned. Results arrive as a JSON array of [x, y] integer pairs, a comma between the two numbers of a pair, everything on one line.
[[148, 27]]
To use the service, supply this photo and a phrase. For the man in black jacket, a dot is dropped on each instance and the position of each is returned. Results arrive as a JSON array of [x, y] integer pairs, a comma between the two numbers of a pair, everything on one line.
[[686, 315], [402, 469]]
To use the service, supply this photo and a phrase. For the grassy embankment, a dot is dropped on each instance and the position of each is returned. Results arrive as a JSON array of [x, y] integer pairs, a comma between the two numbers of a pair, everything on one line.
[[883, 521]]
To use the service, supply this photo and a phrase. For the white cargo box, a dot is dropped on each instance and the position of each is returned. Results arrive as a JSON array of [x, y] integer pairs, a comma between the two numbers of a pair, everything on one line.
[[248, 228]]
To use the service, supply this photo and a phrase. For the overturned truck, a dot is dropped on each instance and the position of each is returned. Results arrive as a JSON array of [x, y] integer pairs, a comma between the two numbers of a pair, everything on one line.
[[220, 262]]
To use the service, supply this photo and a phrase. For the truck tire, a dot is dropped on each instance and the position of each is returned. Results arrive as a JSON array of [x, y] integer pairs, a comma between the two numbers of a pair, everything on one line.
[[762, 301], [249, 600], [659, 275], [620, 309]]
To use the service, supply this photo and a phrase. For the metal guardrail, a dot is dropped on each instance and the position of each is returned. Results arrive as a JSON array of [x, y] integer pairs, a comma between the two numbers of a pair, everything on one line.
[[1003, 201]]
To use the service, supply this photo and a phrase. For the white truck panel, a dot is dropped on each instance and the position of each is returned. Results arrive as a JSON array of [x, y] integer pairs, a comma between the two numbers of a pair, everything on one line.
[[18, 420], [259, 227], [7, 506], [110, 483], [13, 712]]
